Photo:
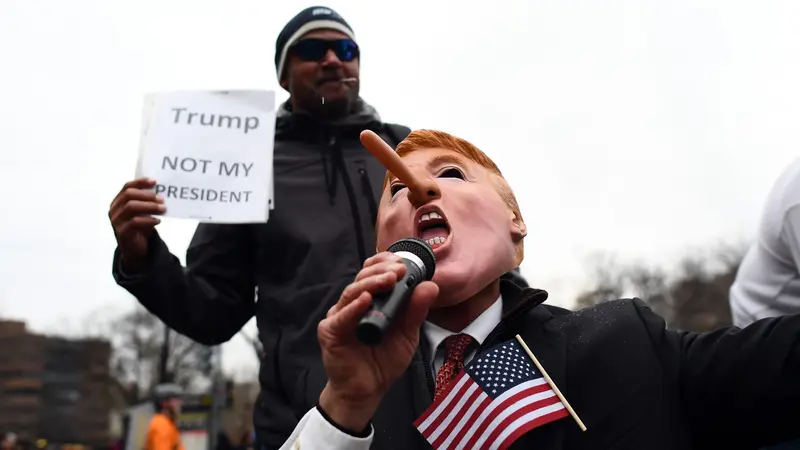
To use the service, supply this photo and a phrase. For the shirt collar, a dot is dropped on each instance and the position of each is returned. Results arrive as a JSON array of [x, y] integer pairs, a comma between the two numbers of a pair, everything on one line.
[[479, 329]]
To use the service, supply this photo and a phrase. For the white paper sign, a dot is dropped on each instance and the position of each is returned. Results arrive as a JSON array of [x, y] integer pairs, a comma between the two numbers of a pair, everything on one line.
[[210, 153]]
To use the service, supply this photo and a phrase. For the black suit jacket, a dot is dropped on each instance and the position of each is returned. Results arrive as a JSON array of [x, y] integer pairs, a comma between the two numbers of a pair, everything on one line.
[[634, 384]]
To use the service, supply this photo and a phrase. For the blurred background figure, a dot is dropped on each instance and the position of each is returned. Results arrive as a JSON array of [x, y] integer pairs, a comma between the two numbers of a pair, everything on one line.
[[9, 442], [163, 432], [768, 281]]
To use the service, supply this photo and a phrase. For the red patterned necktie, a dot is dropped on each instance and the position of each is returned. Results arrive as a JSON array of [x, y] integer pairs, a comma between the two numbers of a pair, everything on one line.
[[455, 347]]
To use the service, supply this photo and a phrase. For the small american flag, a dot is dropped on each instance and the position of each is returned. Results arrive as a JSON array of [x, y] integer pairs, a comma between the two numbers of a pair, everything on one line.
[[498, 397]]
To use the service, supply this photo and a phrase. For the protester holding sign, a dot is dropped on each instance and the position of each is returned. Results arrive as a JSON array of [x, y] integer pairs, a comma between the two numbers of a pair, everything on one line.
[[476, 362], [326, 191]]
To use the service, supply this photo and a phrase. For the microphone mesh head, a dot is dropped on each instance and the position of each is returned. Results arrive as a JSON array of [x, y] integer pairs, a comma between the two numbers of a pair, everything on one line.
[[420, 249]]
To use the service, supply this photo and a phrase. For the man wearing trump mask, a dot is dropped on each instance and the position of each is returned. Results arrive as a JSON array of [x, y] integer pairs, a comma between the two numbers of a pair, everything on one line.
[[634, 383]]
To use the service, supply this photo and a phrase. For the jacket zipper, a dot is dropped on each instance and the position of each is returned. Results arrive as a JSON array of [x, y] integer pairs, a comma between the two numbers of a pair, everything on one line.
[[351, 196], [366, 189]]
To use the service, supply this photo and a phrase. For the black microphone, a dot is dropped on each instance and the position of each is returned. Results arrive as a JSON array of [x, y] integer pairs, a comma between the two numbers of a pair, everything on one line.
[[420, 264]]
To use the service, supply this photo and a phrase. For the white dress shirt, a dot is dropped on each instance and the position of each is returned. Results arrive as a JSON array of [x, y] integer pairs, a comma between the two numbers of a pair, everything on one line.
[[315, 433], [479, 329]]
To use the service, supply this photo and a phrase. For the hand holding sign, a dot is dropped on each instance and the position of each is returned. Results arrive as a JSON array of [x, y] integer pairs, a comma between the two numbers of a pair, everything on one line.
[[421, 189], [130, 215]]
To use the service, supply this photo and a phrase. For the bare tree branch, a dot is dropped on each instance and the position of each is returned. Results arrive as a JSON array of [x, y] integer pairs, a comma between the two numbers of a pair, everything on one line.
[[137, 338], [694, 298]]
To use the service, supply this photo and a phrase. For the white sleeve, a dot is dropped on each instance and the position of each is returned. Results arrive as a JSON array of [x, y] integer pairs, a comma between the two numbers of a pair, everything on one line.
[[790, 233], [315, 433]]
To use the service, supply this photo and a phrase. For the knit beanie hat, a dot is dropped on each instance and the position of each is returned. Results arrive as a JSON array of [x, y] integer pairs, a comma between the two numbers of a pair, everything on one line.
[[309, 19]]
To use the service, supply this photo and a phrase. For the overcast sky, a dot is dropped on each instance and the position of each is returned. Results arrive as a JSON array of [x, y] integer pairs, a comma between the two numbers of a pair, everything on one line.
[[643, 127]]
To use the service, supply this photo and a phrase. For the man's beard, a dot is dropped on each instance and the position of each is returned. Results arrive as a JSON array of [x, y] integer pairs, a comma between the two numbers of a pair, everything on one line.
[[317, 105], [327, 108]]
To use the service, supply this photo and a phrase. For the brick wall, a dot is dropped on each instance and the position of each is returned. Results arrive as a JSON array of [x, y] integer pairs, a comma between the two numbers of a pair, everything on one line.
[[54, 388]]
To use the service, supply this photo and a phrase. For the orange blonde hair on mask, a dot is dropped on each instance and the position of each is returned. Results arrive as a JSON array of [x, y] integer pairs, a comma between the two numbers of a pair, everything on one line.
[[421, 139]]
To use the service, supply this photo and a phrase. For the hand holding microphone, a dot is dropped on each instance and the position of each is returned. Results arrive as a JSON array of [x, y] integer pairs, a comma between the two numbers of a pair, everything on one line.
[[358, 374], [420, 262]]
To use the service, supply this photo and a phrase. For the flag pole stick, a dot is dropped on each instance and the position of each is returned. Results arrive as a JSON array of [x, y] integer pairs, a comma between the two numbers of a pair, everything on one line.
[[553, 385]]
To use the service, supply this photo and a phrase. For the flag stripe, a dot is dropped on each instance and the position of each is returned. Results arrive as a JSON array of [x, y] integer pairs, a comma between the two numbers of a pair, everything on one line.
[[464, 429], [447, 407], [435, 412], [526, 424], [455, 408], [509, 416], [470, 405], [425, 420], [501, 412], [492, 405]]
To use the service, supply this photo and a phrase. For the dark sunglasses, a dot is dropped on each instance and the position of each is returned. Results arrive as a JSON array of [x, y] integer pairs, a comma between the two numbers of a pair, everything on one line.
[[314, 49]]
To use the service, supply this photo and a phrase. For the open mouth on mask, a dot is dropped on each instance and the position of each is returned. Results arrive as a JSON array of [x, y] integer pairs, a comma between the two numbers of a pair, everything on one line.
[[433, 229]]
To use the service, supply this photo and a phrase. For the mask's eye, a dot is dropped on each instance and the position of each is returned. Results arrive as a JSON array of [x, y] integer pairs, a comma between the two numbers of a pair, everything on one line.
[[452, 172], [395, 188]]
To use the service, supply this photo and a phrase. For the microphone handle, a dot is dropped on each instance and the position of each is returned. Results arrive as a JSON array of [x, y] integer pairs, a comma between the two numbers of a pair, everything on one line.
[[386, 304]]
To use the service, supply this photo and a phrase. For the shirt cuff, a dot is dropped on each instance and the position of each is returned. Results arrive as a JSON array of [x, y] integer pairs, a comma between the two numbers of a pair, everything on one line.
[[315, 433]]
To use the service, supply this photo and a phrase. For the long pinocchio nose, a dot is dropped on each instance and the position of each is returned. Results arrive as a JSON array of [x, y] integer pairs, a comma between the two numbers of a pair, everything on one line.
[[421, 186]]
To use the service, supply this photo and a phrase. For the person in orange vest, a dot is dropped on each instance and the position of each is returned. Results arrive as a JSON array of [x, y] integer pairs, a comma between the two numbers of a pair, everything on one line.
[[8, 442], [163, 433]]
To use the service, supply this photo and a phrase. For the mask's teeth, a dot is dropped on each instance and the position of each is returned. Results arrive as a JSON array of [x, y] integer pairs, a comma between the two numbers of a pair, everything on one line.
[[436, 241]]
